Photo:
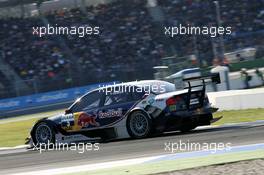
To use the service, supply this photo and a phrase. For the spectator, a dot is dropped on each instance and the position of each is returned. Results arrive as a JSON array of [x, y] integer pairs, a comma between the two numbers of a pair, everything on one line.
[[129, 44]]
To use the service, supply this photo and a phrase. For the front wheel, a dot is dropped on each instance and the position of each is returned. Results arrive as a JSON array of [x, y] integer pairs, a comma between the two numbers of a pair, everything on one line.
[[44, 134], [139, 124]]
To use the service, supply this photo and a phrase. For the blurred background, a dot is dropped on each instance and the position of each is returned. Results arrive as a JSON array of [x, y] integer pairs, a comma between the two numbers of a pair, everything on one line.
[[131, 43]]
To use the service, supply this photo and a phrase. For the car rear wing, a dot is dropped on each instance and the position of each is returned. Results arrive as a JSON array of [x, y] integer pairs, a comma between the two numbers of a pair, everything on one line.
[[213, 78], [204, 80]]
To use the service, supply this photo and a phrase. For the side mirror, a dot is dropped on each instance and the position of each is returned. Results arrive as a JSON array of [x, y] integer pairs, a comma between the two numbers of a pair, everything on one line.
[[68, 111]]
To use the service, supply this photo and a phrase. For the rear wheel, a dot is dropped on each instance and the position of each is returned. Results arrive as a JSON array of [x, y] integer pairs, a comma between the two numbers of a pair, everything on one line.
[[139, 125], [44, 134]]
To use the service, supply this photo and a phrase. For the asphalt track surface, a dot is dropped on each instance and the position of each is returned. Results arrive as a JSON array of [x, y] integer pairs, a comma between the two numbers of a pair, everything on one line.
[[242, 134]]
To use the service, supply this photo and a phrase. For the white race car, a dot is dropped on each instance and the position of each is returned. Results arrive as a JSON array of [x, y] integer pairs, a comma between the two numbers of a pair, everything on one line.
[[129, 110]]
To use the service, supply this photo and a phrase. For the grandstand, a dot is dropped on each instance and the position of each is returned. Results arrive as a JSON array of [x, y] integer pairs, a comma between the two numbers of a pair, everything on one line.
[[131, 42]]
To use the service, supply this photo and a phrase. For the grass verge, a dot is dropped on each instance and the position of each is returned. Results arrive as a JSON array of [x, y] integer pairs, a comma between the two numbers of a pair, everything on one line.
[[14, 133], [239, 116]]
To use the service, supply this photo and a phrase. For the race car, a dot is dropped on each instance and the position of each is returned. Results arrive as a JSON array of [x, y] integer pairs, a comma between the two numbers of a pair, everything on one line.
[[129, 110]]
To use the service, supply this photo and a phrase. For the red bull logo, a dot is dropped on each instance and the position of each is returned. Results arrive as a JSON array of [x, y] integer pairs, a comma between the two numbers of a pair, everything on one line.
[[86, 120]]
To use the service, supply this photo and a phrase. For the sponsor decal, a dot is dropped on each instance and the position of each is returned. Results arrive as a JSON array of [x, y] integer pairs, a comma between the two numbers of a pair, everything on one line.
[[151, 101], [86, 120], [194, 101], [110, 113], [66, 118], [73, 137], [67, 121], [160, 99]]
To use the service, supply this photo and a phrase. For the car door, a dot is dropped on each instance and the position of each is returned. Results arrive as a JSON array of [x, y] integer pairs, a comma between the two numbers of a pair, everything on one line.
[[115, 105]]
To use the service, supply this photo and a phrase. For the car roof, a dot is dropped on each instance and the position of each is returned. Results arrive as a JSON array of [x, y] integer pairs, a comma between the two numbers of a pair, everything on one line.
[[137, 83], [184, 71]]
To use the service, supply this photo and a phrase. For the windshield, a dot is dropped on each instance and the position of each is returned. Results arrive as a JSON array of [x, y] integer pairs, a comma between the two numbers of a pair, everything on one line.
[[87, 102]]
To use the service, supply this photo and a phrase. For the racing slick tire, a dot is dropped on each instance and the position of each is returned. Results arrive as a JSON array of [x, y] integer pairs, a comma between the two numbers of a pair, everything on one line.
[[43, 134], [139, 125]]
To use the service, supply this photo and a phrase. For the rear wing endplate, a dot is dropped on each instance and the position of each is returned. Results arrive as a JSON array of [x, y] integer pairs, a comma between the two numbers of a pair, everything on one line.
[[211, 78]]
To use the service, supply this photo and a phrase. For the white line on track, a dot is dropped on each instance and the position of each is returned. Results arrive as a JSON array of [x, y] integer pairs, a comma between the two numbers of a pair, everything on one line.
[[12, 148], [91, 167]]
